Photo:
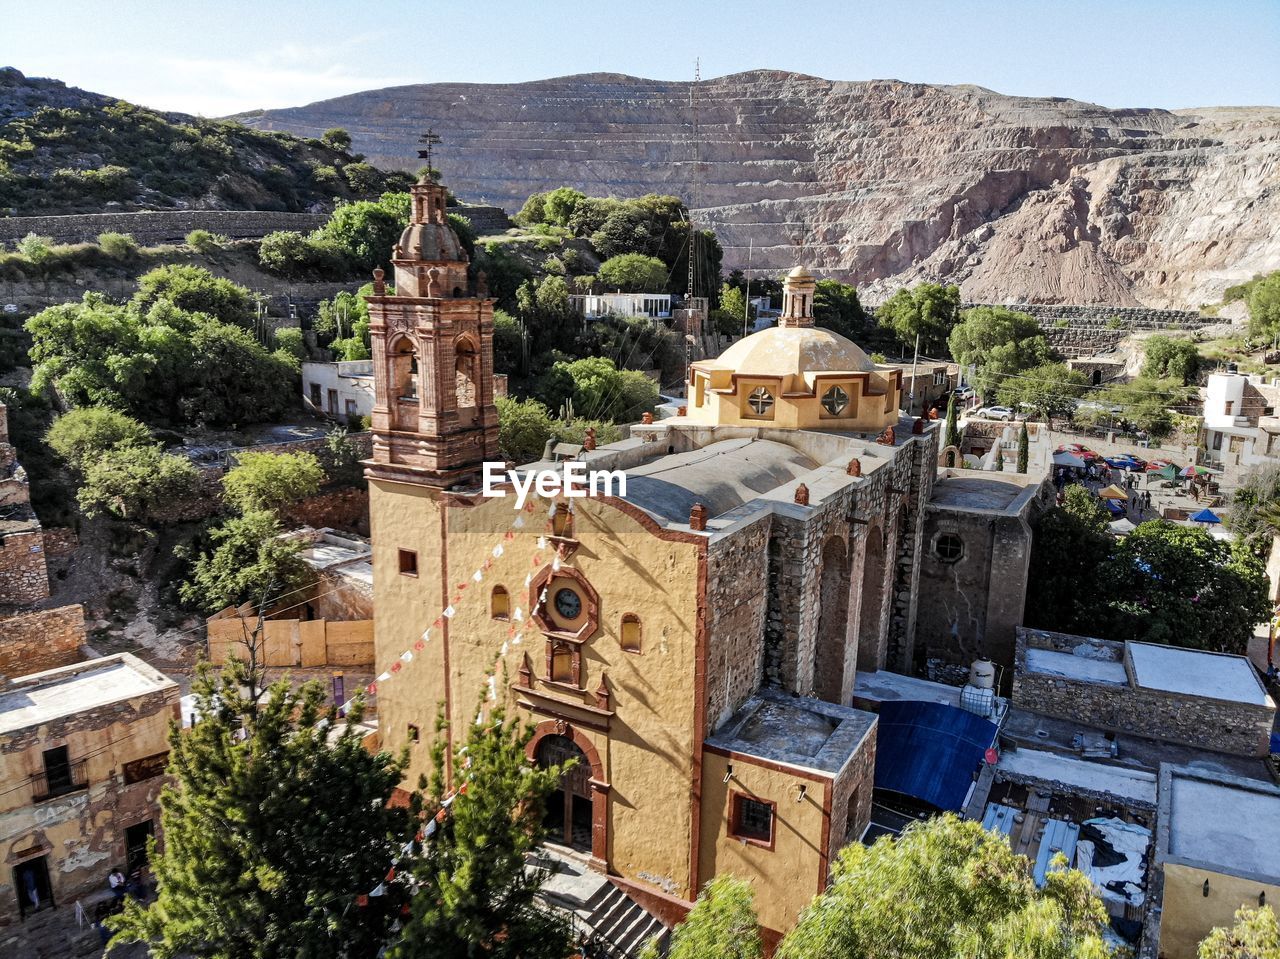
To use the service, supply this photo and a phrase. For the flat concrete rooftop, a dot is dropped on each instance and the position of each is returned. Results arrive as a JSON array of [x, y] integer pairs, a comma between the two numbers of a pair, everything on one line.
[[58, 693], [1125, 784], [992, 491], [1051, 662], [1226, 824], [795, 730], [1194, 672]]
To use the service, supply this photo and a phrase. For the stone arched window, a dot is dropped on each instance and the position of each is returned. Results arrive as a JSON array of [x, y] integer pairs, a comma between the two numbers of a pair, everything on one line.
[[466, 369], [500, 603], [630, 637], [404, 369]]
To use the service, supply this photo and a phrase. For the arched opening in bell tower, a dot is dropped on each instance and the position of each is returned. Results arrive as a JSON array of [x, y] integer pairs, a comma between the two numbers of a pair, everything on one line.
[[404, 383], [466, 367]]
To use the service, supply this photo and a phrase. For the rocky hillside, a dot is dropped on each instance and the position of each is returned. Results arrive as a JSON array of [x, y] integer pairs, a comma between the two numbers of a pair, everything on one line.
[[65, 150], [880, 182]]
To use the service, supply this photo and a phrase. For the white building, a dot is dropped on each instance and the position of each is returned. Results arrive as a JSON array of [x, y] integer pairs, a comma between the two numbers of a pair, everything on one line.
[[341, 390], [595, 305], [1241, 429]]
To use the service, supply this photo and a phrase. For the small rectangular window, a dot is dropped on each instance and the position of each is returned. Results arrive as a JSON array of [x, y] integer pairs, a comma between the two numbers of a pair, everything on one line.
[[414, 733], [408, 562], [752, 820], [562, 665]]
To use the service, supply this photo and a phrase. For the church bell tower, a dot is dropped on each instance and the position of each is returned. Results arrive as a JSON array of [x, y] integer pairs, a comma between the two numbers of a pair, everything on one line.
[[434, 419]]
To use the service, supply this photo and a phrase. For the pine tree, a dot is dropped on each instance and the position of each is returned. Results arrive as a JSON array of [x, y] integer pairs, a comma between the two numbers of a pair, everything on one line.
[[951, 435], [721, 925], [999, 459], [476, 896], [1023, 449], [276, 829]]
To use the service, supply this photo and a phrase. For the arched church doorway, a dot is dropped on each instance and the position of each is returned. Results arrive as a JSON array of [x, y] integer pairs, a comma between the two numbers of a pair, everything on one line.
[[871, 606], [833, 622], [568, 815]]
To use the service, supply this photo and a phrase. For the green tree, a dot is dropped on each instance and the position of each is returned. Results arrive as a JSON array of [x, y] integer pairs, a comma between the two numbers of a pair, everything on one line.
[[721, 925], [508, 343], [289, 253], [947, 887], [733, 303], [524, 426], [136, 482], [35, 248], [1070, 546], [194, 289], [1170, 358], [997, 344], [364, 231], [951, 431], [204, 242], [271, 481], [999, 463], [1142, 404], [336, 138], [341, 458], [599, 390], [928, 309], [534, 210], [1180, 586], [836, 307], [1254, 516], [559, 204], [247, 560], [81, 436], [477, 897], [1023, 450], [634, 273], [276, 820], [1256, 935], [1264, 305], [1047, 390]]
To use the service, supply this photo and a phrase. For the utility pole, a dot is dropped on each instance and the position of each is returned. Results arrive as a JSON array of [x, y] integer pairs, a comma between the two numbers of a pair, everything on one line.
[[693, 185], [746, 297], [911, 396]]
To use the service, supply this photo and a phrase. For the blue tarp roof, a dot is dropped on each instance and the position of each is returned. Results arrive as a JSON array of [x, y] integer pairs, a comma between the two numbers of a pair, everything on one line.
[[1206, 515], [929, 751]]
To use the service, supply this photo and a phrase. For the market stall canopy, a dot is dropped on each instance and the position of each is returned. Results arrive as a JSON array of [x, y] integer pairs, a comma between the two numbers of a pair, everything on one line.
[[1112, 492], [1123, 527], [1168, 471], [1068, 459], [1199, 471], [1206, 515]]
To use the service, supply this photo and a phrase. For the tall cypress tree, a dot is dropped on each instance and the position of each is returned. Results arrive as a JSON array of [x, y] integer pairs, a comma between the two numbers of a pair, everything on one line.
[[476, 897], [276, 827], [951, 435], [1023, 450]]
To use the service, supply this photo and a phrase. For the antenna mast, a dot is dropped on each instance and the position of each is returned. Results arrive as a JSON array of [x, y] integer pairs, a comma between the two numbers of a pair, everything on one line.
[[693, 185]]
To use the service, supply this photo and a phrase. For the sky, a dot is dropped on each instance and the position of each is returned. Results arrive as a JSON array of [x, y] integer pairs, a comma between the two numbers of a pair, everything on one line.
[[216, 57]]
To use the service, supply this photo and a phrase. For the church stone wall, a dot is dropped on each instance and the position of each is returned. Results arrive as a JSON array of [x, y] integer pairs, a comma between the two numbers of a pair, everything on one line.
[[737, 573]]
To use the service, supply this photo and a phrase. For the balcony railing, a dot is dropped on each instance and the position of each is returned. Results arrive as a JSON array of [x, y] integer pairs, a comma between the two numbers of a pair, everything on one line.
[[60, 781]]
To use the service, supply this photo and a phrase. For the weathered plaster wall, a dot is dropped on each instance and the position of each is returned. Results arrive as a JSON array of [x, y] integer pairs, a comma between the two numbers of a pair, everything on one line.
[[1188, 914], [47, 639]]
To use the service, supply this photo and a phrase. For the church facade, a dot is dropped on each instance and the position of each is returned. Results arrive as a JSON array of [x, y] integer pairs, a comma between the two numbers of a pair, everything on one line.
[[692, 643]]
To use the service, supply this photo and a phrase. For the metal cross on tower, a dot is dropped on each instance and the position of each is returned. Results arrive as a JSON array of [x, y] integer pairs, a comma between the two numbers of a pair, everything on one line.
[[430, 139]]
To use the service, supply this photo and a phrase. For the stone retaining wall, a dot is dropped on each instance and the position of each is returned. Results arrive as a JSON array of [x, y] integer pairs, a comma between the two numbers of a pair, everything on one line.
[[1237, 728], [34, 642], [158, 226], [485, 220], [24, 578]]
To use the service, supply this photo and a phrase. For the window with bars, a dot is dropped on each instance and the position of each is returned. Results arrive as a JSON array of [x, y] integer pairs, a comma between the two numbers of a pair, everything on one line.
[[752, 820], [835, 401], [760, 402]]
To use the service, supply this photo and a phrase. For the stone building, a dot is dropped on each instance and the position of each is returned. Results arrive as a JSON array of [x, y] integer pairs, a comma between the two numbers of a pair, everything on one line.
[[974, 563], [24, 578], [693, 641], [83, 750], [40, 640], [1211, 701]]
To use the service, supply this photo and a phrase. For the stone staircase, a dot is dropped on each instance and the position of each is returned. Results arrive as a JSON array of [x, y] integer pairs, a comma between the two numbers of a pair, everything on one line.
[[616, 925]]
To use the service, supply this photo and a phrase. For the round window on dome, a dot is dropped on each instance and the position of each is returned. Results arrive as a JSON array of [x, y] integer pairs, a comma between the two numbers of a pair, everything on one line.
[[835, 401], [760, 402]]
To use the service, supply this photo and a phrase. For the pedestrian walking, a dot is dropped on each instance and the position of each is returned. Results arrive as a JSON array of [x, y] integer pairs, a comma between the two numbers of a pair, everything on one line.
[[116, 883]]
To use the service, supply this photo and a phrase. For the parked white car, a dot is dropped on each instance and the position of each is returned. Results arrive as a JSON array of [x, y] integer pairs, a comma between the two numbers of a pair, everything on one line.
[[964, 393], [995, 413]]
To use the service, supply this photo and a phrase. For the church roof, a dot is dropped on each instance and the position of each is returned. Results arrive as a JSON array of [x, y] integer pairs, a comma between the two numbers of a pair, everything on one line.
[[792, 351], [721, 476]]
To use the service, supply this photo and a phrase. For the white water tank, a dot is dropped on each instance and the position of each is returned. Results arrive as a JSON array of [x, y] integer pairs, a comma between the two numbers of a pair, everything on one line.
[[982, 674]]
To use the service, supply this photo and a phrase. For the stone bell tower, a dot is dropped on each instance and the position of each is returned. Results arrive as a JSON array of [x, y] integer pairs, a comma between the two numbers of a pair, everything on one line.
[[797, 299], [434, 420]]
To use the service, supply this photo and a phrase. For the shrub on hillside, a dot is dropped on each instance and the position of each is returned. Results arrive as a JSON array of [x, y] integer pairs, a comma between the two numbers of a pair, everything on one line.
[[202, 241], [83, 435], [119, 245]]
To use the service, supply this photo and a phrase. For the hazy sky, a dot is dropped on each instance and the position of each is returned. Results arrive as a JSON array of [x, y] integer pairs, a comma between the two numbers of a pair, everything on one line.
[[221, 56]]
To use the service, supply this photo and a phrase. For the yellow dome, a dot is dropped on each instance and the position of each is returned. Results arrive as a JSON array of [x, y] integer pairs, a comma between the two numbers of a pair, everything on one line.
[[795, 351], [800, 273]]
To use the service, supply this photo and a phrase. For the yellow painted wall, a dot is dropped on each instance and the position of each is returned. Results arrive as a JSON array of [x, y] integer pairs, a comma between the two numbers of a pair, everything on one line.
[[292, 642], [785, 878], [648, 752], [722, 408], [1189, 915]]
